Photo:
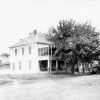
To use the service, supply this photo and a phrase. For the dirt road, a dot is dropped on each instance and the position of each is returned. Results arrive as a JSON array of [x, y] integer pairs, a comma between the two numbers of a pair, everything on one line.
[[70, 88]]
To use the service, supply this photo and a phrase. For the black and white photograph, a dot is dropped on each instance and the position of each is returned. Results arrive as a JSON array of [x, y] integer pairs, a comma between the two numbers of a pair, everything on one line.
[[49, 50]]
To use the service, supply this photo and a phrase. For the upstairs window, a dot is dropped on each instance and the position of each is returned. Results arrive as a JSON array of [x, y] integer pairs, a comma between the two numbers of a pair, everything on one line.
[[29, 49], [22, 51], [43, 51], [52, 50], [15, 51]]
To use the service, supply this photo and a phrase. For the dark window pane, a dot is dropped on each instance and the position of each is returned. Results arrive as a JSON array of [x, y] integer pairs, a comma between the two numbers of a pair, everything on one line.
[[22, 51], [15, 51], [29, 49]]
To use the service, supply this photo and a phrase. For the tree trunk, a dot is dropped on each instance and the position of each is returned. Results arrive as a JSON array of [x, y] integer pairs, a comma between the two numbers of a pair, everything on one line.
[[83, 67], [72, 68], [65, 67], [90, 67], [56, 66], [78, 67]]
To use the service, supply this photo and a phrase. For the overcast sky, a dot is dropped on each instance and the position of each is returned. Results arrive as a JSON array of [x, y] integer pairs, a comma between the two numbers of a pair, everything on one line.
[[19, 17]]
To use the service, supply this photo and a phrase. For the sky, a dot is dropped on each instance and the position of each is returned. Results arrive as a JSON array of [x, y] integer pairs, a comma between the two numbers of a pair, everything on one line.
[[19, 17]]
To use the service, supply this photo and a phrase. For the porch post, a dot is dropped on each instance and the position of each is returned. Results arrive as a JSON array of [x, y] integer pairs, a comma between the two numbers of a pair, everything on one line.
[[49, 63], [38, 68], [49, 67], [78, 67], [65, 67], [56, 65]]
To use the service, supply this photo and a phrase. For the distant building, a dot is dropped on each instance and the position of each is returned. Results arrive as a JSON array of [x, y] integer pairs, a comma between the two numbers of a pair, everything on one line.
[[4, 64]]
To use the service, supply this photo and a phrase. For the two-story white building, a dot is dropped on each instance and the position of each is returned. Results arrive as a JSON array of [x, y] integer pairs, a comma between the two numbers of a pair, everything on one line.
[[33, 55]]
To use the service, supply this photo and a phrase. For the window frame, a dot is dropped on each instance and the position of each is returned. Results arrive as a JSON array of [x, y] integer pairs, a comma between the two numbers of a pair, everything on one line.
[[30, 50], [22, 51], [30, 64], [20, 65], [13, 65], [16, 52], [43, 51]]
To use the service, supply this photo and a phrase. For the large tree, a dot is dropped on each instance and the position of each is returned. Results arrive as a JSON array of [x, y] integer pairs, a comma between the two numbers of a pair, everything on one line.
[[74, 41]]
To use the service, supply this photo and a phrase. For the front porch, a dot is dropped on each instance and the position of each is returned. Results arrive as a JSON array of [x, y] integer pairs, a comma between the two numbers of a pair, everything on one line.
[[57, 66], [53, 66]]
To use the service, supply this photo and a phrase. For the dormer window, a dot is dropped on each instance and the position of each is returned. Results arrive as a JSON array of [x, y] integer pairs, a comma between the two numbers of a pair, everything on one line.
[[22, 51], [15, 51]]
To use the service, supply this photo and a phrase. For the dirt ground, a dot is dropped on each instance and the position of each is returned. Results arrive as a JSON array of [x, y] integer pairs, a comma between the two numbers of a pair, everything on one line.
[[65, 88]]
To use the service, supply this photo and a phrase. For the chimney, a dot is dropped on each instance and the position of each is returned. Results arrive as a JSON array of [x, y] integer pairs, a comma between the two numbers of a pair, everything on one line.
[[34, 32], [30, 34], [21, 39], [33, 35]]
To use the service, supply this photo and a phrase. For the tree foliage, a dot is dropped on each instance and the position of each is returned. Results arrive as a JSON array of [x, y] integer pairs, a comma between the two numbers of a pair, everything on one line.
[[74, 41]]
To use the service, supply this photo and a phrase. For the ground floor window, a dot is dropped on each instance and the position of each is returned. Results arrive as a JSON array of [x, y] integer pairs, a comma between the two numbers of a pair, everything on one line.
[[30, 64], [43, 65], [61, 65], [20, 65], [13, 65]]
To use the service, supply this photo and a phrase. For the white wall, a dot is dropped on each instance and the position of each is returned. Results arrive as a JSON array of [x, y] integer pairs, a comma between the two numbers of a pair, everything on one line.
[[33, 57], [24, 59]]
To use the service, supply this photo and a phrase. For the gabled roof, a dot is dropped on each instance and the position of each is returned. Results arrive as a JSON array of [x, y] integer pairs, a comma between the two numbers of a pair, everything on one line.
[[41, 38], [33, 37], [22, 42]]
